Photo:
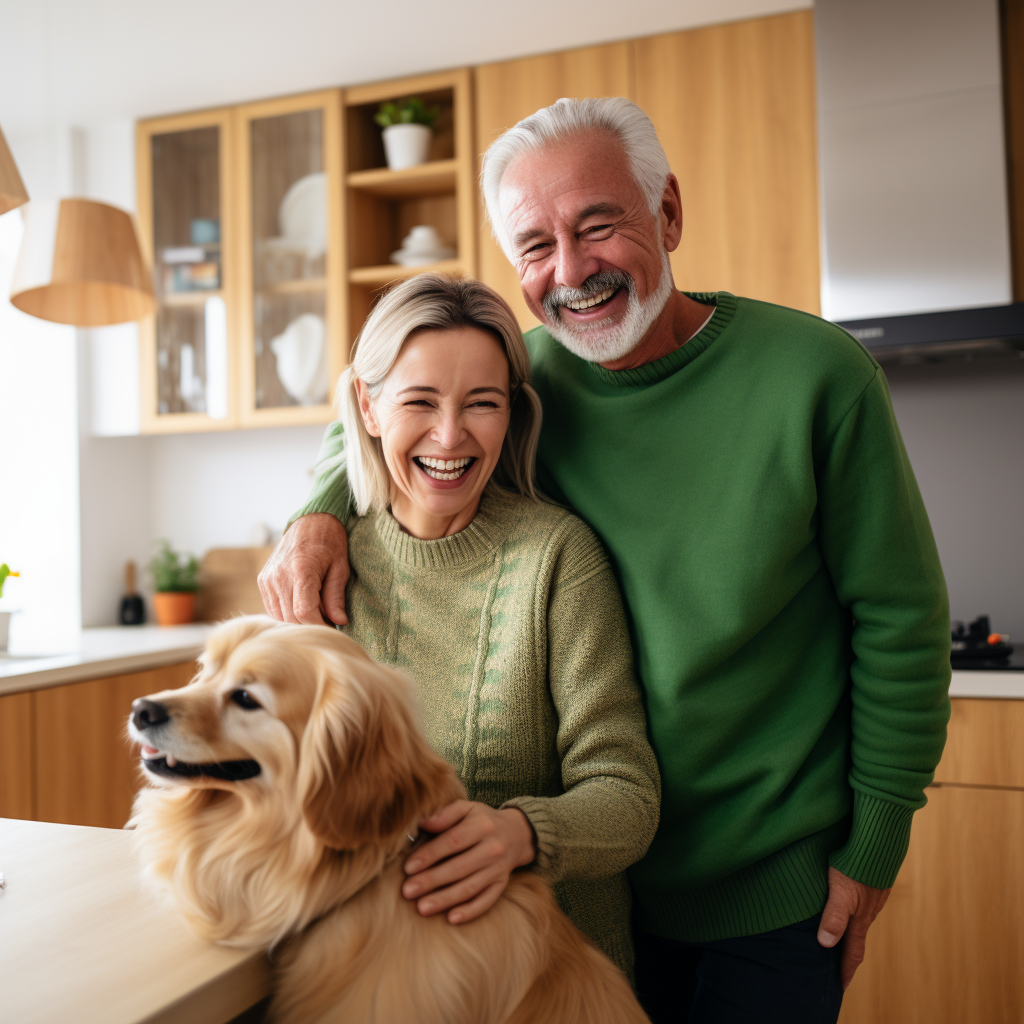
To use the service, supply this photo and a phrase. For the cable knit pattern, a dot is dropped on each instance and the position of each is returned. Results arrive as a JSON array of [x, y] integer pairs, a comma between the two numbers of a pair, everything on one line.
[[515, 633]]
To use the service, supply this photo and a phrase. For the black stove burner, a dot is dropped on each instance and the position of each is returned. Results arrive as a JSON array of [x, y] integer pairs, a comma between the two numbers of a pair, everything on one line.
[[978, 647]]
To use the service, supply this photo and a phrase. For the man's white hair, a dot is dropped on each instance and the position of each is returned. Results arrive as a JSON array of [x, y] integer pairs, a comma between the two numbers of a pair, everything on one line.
[[620, 117]]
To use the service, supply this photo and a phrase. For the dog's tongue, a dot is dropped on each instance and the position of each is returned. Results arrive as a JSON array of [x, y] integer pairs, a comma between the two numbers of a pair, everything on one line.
[[149, 750]]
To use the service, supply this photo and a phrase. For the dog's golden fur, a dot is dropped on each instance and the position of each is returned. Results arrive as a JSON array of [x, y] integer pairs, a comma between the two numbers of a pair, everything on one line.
[[306, 857]]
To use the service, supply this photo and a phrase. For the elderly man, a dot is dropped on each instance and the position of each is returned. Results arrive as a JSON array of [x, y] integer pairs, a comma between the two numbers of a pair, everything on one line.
[[743, 466]]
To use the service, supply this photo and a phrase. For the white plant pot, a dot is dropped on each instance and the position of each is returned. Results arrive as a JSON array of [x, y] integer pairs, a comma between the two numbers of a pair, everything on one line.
[[406, 145], [5, 625]]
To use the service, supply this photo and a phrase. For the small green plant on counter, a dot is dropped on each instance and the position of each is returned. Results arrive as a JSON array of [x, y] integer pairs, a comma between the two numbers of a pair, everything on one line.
[[5, 571], [410, 111], [173, 572]]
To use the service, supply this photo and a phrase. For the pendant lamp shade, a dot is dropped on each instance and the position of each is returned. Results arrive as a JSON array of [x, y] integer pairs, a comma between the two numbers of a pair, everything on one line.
[[80, 264], [12, 189]]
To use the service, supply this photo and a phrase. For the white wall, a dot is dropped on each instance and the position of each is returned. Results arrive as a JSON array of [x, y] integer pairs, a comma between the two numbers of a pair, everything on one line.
[[219, 489], [963, 424], [38, 464], [90, 63]]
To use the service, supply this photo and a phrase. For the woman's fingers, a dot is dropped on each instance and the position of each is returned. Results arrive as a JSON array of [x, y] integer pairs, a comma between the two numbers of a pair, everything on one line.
[[449, 815], [476, 858], [462, 891], [454, 838]]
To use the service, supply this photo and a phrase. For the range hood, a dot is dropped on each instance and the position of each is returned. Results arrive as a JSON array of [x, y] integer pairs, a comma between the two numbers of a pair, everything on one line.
[[914, 210], [954, 333]]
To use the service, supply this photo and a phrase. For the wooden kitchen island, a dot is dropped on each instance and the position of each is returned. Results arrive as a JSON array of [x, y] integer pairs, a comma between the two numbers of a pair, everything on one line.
[[82, 939]]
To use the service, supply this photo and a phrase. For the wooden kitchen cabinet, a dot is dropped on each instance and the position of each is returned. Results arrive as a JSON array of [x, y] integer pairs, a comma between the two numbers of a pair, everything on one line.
[[949, 946], [255, 328], [292, 299], [188, 359], [17, 755], [734, 107], [64, 751]]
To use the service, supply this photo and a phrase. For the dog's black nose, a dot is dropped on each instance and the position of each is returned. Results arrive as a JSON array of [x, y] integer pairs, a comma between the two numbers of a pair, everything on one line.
[[148, 712]]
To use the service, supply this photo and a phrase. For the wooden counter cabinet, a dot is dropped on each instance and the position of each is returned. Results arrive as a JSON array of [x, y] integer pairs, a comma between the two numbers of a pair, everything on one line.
[[949, 946], [64, 751]]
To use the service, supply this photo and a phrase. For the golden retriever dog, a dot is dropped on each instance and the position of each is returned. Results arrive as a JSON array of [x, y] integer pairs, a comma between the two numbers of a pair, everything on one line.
[[284, 783]]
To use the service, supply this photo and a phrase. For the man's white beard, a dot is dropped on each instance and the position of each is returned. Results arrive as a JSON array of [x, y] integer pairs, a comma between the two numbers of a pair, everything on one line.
[[599, 342]]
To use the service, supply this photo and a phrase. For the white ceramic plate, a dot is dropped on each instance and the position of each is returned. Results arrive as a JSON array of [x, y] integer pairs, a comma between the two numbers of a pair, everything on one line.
[[301, 353], [302, 217]]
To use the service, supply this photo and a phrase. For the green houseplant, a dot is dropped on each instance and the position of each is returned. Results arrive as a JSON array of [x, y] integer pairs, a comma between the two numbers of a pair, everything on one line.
[[407, 125], [175, 580]]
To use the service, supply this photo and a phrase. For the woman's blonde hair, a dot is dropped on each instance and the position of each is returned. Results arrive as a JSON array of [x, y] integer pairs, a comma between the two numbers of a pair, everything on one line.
[[434, 302]]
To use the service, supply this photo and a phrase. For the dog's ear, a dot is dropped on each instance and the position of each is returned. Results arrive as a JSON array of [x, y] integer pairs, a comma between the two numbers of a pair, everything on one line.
[[230, 634], [366, 774]]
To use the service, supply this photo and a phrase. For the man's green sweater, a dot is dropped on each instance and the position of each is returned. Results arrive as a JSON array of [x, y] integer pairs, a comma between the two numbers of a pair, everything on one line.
[[786, 604]]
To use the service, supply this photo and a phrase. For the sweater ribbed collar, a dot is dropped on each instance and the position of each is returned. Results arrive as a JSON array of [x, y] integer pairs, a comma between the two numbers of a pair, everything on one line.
[[651, 373], [483, 535]]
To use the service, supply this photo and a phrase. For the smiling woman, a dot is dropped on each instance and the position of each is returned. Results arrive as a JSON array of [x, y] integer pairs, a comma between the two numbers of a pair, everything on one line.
[[502, 607], [438, 399]]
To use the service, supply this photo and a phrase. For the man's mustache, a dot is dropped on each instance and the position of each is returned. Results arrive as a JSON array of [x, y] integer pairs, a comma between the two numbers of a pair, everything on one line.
[[562, 295]]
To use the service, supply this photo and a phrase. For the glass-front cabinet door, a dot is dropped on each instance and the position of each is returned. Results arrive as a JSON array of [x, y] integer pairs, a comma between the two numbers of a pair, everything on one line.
[[291, 265], [187, 357]]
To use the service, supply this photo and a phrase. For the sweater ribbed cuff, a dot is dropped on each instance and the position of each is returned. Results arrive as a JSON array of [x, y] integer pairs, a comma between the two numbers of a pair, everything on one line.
[[545, 833], [878, 841], [338, 505]]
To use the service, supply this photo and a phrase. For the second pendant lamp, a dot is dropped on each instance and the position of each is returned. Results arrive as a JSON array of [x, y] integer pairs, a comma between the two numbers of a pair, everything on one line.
[[81, 264]]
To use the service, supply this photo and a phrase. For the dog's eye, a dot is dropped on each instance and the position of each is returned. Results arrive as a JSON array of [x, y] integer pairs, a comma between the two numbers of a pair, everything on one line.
[[244, 699]]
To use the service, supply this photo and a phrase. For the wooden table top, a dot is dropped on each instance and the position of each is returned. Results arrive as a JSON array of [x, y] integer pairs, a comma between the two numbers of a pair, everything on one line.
[[82, 939]]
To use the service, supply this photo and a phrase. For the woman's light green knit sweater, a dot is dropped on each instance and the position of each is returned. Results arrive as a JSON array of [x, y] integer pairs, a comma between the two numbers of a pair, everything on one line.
[[515, 634]]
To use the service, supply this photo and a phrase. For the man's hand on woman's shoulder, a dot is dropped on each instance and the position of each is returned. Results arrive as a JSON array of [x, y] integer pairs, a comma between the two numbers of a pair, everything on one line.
[[304, 579]]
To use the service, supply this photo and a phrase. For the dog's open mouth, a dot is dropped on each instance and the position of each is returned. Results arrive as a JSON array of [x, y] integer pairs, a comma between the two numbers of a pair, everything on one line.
[[171, 768]]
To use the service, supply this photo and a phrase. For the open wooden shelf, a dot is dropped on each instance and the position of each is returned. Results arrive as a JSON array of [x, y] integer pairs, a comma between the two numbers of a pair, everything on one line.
[[393, 272], [435, 177], [196, 298], [300, 286]]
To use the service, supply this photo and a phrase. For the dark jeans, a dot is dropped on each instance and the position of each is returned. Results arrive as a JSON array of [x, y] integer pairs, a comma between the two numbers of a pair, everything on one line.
[[780, 977]]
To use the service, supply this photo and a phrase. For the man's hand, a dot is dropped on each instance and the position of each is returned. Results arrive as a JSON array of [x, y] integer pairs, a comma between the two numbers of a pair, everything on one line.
[[468, 865], [850, 909], [304, 579]]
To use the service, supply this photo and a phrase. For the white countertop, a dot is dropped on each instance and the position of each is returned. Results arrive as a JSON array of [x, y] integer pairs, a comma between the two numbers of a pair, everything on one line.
[[120, 649], [103, 652], [997, 684]]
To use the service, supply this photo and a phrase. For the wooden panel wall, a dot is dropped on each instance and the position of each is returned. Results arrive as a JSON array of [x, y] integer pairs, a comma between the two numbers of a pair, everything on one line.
[[514, 89], [734, 108]]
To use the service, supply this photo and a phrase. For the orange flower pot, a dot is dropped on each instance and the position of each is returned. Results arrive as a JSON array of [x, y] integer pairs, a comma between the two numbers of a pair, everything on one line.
[[174, 608]]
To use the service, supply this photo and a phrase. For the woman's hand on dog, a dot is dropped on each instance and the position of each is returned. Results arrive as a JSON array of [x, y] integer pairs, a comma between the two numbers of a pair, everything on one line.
[[465, 868]]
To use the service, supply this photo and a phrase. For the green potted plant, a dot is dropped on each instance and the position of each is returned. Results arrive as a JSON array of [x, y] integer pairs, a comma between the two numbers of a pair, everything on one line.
[[175, 580], [407, 125], [5, 617]]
